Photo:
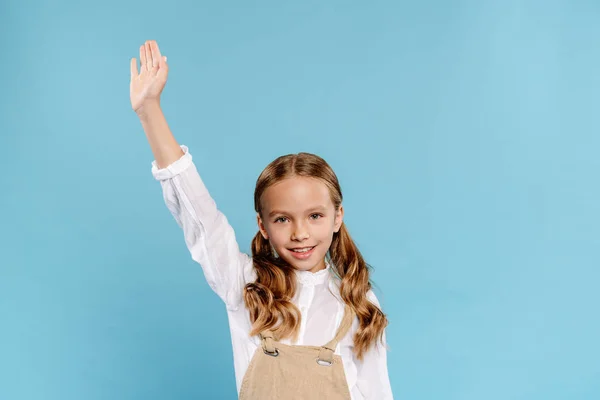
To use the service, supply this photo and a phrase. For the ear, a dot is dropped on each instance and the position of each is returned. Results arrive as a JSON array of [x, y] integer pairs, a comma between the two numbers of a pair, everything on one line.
[[339, 218], [261, 227]]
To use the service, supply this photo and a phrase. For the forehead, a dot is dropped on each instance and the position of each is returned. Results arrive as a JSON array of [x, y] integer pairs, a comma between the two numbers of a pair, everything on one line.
[[296, 194]]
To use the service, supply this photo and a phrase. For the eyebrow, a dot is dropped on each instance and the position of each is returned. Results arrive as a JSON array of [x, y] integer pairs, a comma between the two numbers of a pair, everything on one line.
[[317, 208]]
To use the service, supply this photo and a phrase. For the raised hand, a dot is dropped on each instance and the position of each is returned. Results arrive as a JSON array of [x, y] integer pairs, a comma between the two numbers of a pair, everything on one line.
[[147, 85]]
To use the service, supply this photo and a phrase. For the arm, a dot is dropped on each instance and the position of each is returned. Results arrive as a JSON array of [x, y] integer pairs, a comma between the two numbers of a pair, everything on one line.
[[208, 235], [372, 373], [145, 89], [165, 148]]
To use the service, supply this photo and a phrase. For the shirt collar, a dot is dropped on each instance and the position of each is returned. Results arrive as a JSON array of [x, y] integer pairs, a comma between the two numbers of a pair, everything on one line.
[[308, 278]]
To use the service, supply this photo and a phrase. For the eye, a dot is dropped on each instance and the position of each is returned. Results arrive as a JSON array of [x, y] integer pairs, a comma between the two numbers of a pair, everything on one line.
[[280, 219], [316, 216]]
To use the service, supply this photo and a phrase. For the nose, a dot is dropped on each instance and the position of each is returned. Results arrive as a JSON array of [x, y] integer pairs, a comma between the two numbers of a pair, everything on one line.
[[300, 232]]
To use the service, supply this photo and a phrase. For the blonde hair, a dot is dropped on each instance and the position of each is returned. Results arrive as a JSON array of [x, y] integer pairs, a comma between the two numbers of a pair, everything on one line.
[[269, 298]]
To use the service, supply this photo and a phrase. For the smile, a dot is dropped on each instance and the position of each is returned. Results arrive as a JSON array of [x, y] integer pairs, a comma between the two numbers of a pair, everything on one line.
[[303, 249], [302, 253]]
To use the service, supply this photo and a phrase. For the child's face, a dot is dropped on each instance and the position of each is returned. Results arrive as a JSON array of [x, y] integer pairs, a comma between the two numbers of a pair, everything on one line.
[[298, 214]]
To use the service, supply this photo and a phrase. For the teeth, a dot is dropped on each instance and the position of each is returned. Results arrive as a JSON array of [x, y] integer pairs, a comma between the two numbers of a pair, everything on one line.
[[304, 250]]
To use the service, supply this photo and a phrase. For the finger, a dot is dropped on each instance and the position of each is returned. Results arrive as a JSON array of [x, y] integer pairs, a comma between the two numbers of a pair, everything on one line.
[[133, 67], [163, 62], [156, 56], [143, 59], [148, 56]]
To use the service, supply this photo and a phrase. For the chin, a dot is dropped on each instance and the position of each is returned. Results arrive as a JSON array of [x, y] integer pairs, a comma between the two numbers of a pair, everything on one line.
[[304, 267]]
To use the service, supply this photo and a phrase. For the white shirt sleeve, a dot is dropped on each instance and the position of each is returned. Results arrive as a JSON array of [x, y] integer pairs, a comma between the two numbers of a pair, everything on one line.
[[372, 373], [208, 235]]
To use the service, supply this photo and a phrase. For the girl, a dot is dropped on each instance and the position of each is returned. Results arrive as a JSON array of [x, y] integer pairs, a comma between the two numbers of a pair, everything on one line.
[[304, 322]]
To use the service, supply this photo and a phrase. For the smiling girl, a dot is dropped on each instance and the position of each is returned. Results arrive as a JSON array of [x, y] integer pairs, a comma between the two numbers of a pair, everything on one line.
[[304, 321]]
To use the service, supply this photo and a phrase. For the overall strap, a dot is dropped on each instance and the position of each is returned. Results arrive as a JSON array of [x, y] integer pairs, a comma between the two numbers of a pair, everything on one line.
[[268, 343], [326, 353]]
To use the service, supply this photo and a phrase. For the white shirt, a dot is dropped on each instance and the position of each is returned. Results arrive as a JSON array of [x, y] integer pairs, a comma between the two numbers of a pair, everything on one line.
[[212, 243]]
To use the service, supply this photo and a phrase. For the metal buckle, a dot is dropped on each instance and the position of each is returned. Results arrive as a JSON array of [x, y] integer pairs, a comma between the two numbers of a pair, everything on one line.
[[273, 354], [324, 363]]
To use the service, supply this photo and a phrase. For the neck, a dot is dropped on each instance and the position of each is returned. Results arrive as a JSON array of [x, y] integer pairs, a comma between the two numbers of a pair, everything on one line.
[[319, 267]]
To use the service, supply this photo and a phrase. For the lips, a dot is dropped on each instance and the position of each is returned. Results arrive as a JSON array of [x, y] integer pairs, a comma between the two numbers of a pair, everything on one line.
[[302, 249], [302, 253]]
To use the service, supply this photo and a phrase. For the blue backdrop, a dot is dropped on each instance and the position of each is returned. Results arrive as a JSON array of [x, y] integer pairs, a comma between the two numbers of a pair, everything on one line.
[[465, 135]]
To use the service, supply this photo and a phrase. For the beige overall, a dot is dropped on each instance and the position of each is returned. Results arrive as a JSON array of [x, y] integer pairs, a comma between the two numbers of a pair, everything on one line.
[[289, 372]]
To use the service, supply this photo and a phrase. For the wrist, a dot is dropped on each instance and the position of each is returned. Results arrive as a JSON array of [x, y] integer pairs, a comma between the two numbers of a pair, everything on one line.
[[148, 108]]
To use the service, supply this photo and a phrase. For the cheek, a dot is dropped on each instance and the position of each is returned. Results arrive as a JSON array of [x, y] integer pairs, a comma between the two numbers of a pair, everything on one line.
[[324, 232], [277, 235]]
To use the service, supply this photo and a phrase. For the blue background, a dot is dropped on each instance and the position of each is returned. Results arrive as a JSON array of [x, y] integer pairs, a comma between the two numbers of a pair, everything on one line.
[[465, 135]]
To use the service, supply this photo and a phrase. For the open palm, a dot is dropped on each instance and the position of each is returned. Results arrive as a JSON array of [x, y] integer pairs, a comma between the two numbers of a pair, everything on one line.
[[148, 84]]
